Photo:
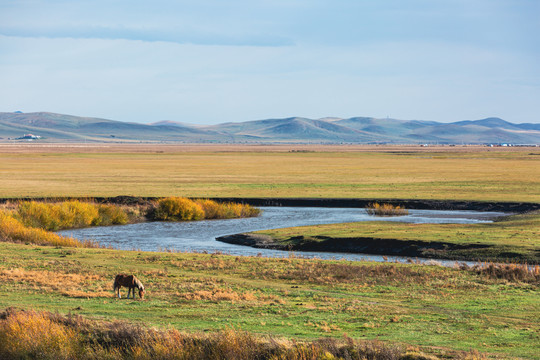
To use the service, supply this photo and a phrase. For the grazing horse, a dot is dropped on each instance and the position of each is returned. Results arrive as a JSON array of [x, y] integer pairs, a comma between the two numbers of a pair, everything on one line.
[[129, 281]]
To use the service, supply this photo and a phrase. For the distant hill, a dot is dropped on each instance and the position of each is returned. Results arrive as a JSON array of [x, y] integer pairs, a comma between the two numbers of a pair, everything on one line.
[[53, 127]]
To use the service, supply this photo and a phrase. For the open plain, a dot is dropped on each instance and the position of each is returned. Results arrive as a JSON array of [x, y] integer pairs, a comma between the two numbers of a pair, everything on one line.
[[444, 312], [370, 172]]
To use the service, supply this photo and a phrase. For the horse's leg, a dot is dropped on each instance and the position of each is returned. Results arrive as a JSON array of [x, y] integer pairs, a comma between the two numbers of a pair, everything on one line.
[[129, 290]]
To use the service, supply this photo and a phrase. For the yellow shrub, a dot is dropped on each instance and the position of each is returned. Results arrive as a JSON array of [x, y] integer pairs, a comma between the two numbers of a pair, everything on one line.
[[386, 210], [68, 214], [75, 214], [12, 229], [229, 210], [32, 335], [211, 208], [37, 215], [177, 208], [110, 215]]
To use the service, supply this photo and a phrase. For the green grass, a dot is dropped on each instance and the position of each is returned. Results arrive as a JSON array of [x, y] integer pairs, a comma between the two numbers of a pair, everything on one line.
[[513, 238], [424, 306]]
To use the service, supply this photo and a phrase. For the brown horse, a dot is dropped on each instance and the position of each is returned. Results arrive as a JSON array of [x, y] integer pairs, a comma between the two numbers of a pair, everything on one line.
[[129, 281]]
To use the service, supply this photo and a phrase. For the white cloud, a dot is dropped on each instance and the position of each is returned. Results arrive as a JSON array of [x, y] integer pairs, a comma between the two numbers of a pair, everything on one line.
[[227, 62]]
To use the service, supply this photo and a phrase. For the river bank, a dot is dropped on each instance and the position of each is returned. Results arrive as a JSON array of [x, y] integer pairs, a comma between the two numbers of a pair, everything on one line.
[[388, 247], [420, 204], [507, 239]]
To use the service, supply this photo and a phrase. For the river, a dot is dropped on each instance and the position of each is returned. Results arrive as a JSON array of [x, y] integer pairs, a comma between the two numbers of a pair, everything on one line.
[[200, 236]]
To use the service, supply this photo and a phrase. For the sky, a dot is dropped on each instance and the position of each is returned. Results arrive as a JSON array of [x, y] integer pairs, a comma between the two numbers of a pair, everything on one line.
[[215, 61]]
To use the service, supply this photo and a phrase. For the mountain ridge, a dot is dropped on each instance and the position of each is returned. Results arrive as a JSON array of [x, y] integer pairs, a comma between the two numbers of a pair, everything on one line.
[[53, 127]]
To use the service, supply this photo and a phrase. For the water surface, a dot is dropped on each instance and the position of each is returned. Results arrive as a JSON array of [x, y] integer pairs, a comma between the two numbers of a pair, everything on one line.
[[200, 236]]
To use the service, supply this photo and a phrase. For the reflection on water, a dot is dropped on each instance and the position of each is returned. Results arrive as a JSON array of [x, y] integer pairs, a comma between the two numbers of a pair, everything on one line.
[[200, 236]]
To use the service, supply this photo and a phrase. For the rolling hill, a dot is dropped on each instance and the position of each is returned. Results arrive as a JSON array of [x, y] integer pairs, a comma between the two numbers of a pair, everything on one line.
[[359, 130]]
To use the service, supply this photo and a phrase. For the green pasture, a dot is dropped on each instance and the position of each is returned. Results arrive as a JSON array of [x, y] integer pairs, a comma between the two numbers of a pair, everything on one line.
[[428, 306], [514, 238]]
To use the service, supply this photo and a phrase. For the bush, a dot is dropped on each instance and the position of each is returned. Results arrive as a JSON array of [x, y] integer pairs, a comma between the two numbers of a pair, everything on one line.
[[75, 214], [228, 210], [386, 210], [177, 208], [68, 214], [37, 215], [33, 335], [212, 209], [13, 230], [109, 214]]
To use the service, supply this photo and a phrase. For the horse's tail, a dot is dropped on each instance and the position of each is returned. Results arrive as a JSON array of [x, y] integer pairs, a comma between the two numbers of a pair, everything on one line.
[[115, 284]]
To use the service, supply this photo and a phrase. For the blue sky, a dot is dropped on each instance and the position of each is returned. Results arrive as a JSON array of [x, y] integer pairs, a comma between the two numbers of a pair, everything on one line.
[[209, 62]]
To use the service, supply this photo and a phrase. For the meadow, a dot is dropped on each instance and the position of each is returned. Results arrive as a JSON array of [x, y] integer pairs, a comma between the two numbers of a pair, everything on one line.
[[414, 311], [427, 309], [447, 173]]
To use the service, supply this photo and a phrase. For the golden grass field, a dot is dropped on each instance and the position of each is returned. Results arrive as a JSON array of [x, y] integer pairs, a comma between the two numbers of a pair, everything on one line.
[[408, 172]]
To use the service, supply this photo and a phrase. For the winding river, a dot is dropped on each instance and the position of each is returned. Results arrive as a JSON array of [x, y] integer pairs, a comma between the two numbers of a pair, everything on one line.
[[200, 236]]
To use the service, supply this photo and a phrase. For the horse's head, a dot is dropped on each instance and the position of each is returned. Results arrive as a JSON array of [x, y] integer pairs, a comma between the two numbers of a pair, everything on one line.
[[141, 292]]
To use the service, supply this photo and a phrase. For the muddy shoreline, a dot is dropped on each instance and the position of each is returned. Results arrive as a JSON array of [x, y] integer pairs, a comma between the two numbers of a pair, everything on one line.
[[378, 246], [514, 207]]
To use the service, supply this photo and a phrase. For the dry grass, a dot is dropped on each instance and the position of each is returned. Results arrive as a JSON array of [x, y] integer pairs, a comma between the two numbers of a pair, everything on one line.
[[68, 214], [177, 209], [511, 272], [71, 285], [183, 209], [31, 334], [386, 210], [219, 295], [34, 335], [327, 273], [13, 230], [226, 210], [467, 173]]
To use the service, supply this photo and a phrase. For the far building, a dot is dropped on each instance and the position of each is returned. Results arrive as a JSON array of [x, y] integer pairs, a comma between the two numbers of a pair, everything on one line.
[[28, 137]]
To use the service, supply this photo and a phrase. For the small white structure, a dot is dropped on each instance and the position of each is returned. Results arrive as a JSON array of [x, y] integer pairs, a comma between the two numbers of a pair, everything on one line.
[[28, 137]]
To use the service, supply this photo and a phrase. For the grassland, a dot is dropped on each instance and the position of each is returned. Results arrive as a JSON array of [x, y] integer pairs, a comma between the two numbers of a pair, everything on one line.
[[423, 306], [513, 238], [476, 173], [440, 310]]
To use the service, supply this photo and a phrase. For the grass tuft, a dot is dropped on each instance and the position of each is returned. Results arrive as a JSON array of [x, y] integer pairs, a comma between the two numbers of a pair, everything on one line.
[[386, 210], [511, 272]]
